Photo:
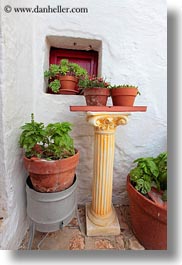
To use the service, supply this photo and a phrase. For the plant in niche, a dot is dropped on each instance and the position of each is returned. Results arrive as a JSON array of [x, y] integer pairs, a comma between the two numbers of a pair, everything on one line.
[[53, 75], [59, 74], [55, 85], [53, 71], [73, 69]]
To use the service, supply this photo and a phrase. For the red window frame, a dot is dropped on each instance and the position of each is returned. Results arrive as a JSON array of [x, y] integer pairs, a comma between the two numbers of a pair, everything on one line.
[[77, 55]]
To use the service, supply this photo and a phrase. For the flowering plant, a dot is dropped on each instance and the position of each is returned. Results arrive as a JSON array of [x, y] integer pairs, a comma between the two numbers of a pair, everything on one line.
[[93, 82]]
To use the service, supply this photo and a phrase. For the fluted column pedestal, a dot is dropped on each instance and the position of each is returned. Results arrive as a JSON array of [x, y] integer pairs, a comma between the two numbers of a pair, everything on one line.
[[101, 218]]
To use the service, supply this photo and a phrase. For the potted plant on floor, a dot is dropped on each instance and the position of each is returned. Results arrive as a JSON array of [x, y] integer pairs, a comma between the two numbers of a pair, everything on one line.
[[124, 95], [147, 192], [50, 157], [64, 77], [95, 89]]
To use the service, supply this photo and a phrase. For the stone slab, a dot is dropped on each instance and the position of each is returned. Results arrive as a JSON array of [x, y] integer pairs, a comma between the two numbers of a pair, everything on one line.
[[112, 229]]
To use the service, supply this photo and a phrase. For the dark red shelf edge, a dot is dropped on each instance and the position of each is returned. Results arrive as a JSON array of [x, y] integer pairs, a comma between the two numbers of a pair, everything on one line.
[[108, 108]]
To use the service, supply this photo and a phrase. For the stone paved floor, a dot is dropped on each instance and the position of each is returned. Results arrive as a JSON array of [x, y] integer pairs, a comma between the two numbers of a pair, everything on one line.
[[72, 236]]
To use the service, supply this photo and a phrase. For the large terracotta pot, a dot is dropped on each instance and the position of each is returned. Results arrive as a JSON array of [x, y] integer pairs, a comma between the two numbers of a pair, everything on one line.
[[96, 96], [52, 176], [123, 96], [68, 85], [148, 220]]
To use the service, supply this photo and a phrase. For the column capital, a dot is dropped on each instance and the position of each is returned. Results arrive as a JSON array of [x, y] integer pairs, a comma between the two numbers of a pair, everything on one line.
[[107, 121]]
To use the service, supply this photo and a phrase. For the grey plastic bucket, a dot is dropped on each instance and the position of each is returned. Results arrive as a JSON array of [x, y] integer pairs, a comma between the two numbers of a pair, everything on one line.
[[51, 211]]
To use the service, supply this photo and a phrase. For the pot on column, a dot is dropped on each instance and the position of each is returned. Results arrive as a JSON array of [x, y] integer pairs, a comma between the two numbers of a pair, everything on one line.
[[124, 95], [96, 90]]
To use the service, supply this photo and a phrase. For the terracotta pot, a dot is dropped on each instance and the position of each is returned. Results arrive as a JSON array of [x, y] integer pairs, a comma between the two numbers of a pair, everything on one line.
[[96, 96], [123, 96], [148, 220], [68, 85], [52, 176]]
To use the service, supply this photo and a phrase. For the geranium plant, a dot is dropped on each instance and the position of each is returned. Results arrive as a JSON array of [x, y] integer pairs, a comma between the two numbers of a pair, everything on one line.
[[93, 82]]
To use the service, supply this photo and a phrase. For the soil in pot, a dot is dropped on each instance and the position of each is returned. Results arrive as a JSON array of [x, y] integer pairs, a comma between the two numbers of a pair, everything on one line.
[[52, 176], [96, 96], [148, 219], [123, 96]]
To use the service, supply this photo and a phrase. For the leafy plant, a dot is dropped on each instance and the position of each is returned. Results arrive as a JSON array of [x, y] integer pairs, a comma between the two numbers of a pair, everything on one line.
[[54, 70], [49, 142], [93, 82], [55, 85], [73, 69], [150, 172], [62, 69]]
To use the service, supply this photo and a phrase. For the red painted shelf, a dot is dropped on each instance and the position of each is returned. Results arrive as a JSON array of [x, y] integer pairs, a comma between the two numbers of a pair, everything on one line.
[[109, 108]]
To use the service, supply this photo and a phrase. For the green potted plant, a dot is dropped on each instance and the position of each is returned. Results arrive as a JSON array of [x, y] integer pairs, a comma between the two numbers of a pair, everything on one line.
[[53, 76], [64, 77], [95, 89], [124, 95], [50, 156], [147, 192]]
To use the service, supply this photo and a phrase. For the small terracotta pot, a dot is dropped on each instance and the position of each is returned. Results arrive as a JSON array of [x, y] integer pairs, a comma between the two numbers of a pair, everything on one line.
[[96, 96], [123, 96], [68, 85], [51, 176], [148, 220]]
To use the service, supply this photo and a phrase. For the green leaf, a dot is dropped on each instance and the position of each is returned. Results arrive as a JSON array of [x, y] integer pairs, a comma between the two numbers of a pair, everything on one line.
[[55, 85], [150, 172], [153, 167]]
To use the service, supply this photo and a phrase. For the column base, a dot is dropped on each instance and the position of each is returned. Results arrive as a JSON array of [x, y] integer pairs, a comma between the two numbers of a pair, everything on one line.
[[112, 229]]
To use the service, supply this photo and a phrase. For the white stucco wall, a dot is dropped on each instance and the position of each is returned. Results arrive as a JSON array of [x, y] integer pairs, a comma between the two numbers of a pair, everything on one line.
[[16, 98], [133, 50]]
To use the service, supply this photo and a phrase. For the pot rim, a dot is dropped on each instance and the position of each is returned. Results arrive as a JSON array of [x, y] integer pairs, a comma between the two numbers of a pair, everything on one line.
[[124, 91], [68, 77], [51, 161], [96, 91], [31, 190]]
